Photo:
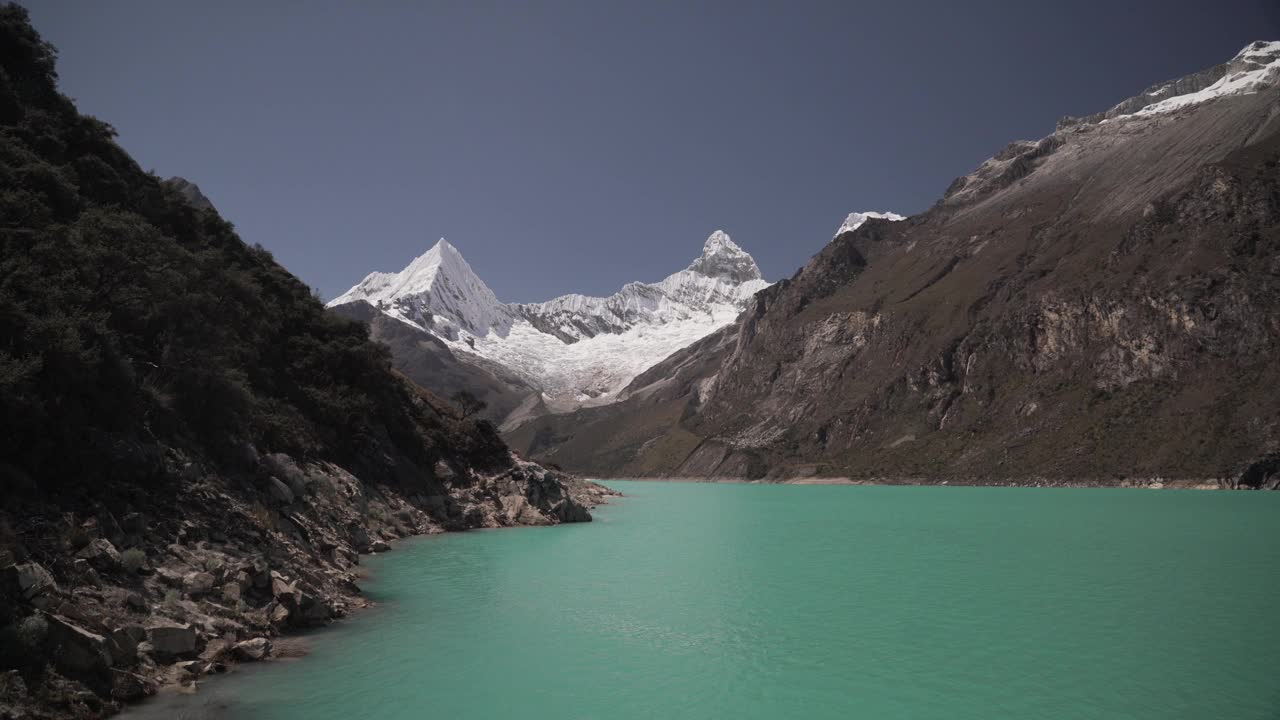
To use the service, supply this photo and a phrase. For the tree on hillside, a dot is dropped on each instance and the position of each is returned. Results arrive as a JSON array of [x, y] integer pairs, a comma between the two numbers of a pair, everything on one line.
[[468, 403]]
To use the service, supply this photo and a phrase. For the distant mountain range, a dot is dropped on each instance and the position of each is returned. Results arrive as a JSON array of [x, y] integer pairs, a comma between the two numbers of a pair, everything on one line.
[[564, 353]]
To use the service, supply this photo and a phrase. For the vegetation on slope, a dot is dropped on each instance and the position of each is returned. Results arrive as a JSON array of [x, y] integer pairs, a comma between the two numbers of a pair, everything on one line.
[[131, 321], [193, 451]]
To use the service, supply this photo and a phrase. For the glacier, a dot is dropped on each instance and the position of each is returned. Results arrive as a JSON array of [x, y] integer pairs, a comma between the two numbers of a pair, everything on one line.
[[575, 349], [1253, 69]]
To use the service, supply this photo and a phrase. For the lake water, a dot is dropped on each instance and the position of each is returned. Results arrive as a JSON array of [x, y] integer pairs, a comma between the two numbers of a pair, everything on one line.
[[760, 601]]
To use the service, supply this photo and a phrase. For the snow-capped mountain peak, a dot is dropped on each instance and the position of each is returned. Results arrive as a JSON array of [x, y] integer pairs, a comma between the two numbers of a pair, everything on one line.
[[437, 291], [856, 219], [575, 348], [722, 258]]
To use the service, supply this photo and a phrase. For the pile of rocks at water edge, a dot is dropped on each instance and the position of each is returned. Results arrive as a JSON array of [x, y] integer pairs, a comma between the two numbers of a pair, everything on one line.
[[102, 608]]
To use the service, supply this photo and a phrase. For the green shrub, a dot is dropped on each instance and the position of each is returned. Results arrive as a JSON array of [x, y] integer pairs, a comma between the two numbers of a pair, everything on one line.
[[133, 559]]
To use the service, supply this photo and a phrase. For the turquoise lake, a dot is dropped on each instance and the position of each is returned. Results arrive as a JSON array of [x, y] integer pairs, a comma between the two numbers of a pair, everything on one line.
[[765, 601]]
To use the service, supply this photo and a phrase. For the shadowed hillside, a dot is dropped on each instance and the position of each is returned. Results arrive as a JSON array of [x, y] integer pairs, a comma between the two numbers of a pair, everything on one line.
[[193, 452]]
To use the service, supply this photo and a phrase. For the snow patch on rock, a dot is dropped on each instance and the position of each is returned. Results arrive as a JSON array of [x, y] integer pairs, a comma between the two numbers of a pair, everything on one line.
[[1254, 68], [856, 219]]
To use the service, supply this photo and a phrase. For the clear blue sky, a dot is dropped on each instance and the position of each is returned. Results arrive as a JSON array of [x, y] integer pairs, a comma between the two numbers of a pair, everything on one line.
[[574, 146]]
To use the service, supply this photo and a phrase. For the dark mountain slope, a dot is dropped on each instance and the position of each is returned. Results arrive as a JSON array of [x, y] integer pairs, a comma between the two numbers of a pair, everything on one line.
[[428, 361], [1097, 307], [192, 450]]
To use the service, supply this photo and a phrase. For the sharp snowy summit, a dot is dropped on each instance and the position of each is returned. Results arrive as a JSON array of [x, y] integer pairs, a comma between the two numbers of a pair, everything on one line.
[[575, 349]]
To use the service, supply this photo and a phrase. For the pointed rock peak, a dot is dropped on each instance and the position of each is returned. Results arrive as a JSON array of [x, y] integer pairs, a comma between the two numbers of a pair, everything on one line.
[[718, 242], [442, 259], [444, 246], [855, 220], [722, 258]]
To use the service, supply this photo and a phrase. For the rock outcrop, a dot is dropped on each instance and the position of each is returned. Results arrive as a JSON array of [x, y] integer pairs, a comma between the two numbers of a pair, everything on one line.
[[226, 568]]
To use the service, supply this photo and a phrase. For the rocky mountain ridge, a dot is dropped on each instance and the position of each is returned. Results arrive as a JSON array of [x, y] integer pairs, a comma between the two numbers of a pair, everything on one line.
[[1096, 307]]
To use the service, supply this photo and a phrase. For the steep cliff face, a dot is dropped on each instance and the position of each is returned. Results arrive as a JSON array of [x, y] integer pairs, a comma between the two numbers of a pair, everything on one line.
[[430, 363], [1098, 306]]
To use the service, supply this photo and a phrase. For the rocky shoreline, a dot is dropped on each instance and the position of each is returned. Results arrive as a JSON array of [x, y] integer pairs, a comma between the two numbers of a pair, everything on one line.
[[102, 609]]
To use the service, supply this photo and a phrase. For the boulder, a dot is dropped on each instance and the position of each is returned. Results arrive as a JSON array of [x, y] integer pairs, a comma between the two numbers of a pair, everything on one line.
[[76, 651], [379, 546], [129, 686], [311, 611], [283, 590], [85, 574], [101, 554], [122, 643], [171, 576], [170, 639], [279, 615], [252, 650], [34, 580], [360, 538], [192, 669], [196, 584], [231, 593], [444, 471], [135, 601]]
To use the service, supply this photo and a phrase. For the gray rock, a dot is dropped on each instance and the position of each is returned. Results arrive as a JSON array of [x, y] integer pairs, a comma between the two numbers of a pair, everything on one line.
[[279, 615], [75, 650], [85, 574], [34, 580], [231, 592], [171, 576], [170, 639], [283, 590], [128, 686], [379, 546], [122, 643], [193, 668], [252, 650], [360, 538], [444, 471], [311, 611], [197, 584], [101, 554]]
